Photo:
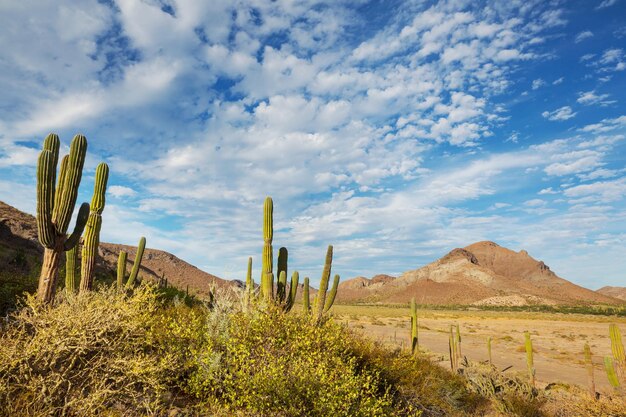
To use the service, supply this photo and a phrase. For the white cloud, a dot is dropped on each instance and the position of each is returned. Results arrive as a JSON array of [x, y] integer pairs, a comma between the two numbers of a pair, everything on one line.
[[583, 35], [606, 3], [558, 81], [560, 114], [121, 191], [601, 191], [590, 98], [538, 83]]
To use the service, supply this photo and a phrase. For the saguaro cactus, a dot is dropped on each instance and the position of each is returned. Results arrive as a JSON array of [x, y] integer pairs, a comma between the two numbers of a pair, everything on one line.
[[121, 269], [321, 295], [281, 285], [249, 290], [267, 275], [55, 207], [414, 327], [453, 348], [530, 363], [330, 298], [71, 259], [293, 290], [610, 373], [617, 347], [92, 230], [591, 381], [306, 301], [458, 342], [133, 273]]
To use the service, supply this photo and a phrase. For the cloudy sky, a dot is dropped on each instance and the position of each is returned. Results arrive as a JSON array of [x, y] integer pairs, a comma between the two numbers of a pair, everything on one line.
[[394, 130]]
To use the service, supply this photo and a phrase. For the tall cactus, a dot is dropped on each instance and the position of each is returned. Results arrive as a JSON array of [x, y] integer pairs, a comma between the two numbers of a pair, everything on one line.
[[610, 373], [530, 363], [133, 273], [306, 301], [617, 347], [591, 381], [121, 269], [71, 259], [55, 207], [92, 230], [414, 327], [267, 275], [321, 295]]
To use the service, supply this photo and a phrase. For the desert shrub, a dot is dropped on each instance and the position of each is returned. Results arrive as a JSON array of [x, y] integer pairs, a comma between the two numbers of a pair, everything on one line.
[[93, 352]]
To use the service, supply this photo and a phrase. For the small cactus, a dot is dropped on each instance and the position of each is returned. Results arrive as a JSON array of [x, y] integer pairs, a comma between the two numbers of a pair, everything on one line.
[[589, 365], [55, 207], [92, 229], [458, 342], [489, 349], [249, 290], [528, 344], [133, 273], [281, 266], [320, 305], [414, 327], [453, 348], [121, 269], [610, 373], [293, 290], [306, 301], [281, 287]]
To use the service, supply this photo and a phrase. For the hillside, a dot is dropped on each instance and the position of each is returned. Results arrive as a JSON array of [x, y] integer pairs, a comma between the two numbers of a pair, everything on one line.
[[616, 292], [20, 252], [483, 273]]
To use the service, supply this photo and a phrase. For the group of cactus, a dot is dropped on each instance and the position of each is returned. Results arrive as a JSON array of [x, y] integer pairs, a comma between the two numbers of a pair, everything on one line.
[[56, 198], [121, 266], [282, 294]]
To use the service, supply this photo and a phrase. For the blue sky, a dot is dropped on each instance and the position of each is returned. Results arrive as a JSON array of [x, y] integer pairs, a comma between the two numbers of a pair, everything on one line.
[[394, 130]]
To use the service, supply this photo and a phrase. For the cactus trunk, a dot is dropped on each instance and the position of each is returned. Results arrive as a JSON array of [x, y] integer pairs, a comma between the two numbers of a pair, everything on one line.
[[306, 301], [92, 229], [249, 282], [267, 275], [591, 381], [530, 363], [71, 259], [121, 269], [414, 327], [321, 295]]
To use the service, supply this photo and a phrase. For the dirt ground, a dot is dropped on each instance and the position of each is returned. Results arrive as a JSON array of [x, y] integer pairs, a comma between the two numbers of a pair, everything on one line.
[[558, 339]]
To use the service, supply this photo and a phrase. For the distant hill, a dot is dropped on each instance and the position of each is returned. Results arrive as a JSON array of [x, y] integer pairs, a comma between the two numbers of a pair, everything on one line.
[[20, 253], [483, 273], [616, 292]]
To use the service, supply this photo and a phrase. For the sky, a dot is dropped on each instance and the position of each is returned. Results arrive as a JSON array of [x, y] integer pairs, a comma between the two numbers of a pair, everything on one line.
[[393, 130]]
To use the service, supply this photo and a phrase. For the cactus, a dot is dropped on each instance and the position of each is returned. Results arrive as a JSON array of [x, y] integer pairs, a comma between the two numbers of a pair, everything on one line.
[[306, 302], [249, 290], [414, 328], [133, 273], [617, 347], [71, 259], [321, 295], [55, 207], [589, 365], [610, 373], [267, 276], [528, 344], [458, 342], [92, 229], [489, 349], [452, 348], [293, 290], [121, 269], [281, 266], [330, 298]]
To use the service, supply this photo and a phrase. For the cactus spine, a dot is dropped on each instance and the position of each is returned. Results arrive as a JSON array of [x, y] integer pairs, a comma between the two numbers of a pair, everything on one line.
[[121, 269], [306, 301], [133, 273], [414, 327], [610, 373], [267, 276], [92, 230], [528, 344], [71, 259], [321, 295], [589, 365], [55, 207]]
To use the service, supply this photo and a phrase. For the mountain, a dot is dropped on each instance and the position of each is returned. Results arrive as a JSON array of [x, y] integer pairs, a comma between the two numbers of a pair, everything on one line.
[[483, 273], [20, 254], [616, 292]]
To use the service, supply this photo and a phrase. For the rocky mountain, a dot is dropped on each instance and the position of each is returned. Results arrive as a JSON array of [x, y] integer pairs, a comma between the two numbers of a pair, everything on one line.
[[483, 273], [616, 292], [21, 252]]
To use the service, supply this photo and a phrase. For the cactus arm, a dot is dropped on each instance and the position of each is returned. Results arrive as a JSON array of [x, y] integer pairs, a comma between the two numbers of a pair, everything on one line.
[[71, 182], [610, 372], [330, 298], [92, 229], [60, 183], [267, 276], [306, 301], [45, 198], [281, 287], [528, 344], [81, 221], [321, 295], [71, 259], [121, 269], [281, 265], [293, 290], [133, 273]]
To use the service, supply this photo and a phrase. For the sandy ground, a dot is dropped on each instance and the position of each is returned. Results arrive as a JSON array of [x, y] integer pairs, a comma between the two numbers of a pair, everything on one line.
[[558, 339]]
